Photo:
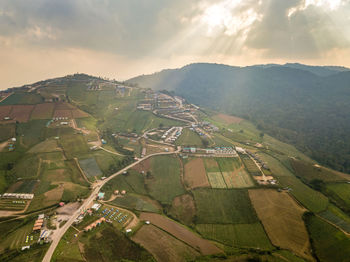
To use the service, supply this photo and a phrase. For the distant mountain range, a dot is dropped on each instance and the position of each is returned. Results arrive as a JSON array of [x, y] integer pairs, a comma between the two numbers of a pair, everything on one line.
[[308, 106]]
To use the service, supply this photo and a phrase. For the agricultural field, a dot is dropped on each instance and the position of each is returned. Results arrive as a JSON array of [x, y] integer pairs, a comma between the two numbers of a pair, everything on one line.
[[23, 186], [73, 145], [239, 235], [90, 167], [310, 172], [43, 111], [195, 174], [211, 165], [7, 131], [228, 119], [49, 145], [91, 246], [163, 246], [189, 138], [164, 183], [337, 217], [341, 191], [183, 209], [311, 199], [218, 206], [180, 232], [250, 165], [132, 182], [136, 202], [282, 220], [31, 133], [21, 113], [329, 244], [228, 164], [13, 204], [22, 99], [5, 111], [216, 180]]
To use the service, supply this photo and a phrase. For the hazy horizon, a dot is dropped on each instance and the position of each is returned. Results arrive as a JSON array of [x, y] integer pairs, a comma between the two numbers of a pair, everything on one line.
[[41, 39]]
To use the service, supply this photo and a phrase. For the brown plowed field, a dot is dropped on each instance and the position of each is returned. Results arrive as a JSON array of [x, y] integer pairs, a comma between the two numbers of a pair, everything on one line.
[[282, 219], [21, 113], [163, 246], [143, 166], [195, 175], [63, 113], [237, 179], [43, 111], [180, 232], [5, 111], [77, 113], [229, 119]]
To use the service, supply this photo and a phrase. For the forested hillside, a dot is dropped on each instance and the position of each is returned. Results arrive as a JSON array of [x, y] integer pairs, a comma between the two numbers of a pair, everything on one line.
[[306, 106]]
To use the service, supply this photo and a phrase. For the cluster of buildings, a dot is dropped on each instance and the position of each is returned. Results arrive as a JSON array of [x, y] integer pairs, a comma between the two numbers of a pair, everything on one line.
[[94, 224], [258, 160], [145, 107], [172, 134], [217, 151], [18, 195], [38, 224]]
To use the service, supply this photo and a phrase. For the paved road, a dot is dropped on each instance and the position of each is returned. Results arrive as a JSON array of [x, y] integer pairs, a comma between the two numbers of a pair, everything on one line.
[[58, 234]]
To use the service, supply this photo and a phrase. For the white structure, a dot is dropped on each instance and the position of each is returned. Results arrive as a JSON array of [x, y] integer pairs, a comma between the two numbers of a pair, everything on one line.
[[18, 195], [96, 206]]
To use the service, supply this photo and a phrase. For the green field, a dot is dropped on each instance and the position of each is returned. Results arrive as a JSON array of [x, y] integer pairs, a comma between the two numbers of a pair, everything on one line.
[[27, 166], [228, 164], [120, 248], [250, 165], [7, 131], [25, 186], [311, 199], [73, 145], [341, 191], [165, 184], [189, 138], [32, 132], [90, 167], [310, 172], [216, 180], [136, 202], [131, 182], [240, 235], [218, 206], [23, 99], [329, 243]]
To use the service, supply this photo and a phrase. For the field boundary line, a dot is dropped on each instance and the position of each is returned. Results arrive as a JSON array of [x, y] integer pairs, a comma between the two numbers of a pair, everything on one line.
[[81, 170]]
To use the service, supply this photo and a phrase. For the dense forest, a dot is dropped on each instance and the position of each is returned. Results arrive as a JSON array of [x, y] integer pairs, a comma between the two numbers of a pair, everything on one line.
[[307, 106]]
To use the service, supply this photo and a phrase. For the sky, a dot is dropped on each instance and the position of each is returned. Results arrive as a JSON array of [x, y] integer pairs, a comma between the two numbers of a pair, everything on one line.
[[119, 39]]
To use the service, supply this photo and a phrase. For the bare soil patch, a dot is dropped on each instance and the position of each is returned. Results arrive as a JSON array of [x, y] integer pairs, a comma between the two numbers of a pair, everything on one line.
[[183, 209], [63, 113], [163, 246], [21, 113], [229, 119], [54, 195], [143, 166], [77, 113], [195, 174], [204, 246], [282, 219]]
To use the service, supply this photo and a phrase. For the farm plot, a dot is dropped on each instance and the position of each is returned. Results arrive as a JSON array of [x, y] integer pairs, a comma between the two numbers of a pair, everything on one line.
[[21, 113], [49, 145], [229, 164], [7, 131], [211, 165], [242, 235], [136, 202], [164, 184], [341, 191], [282, 220], [195, 175], [22, 99], [238, 179], [73, 145], [183, 209], [23, 186], [181, 233], [13, 204], [250, 165], [163, 246], [311, 199], [90, 167], [227, 119], [216, 180], [217, 206], [189, 138], [336, 220], [330, 244], [5, 111], [43, 111]]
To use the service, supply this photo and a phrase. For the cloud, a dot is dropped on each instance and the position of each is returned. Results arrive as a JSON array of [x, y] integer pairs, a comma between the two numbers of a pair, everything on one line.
[[167, 33]]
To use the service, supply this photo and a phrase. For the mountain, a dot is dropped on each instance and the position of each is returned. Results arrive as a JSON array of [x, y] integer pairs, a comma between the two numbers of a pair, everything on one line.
[[304, 105]]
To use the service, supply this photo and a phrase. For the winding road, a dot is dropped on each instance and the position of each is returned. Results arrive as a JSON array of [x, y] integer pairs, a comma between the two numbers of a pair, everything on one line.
[[58, 234]]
